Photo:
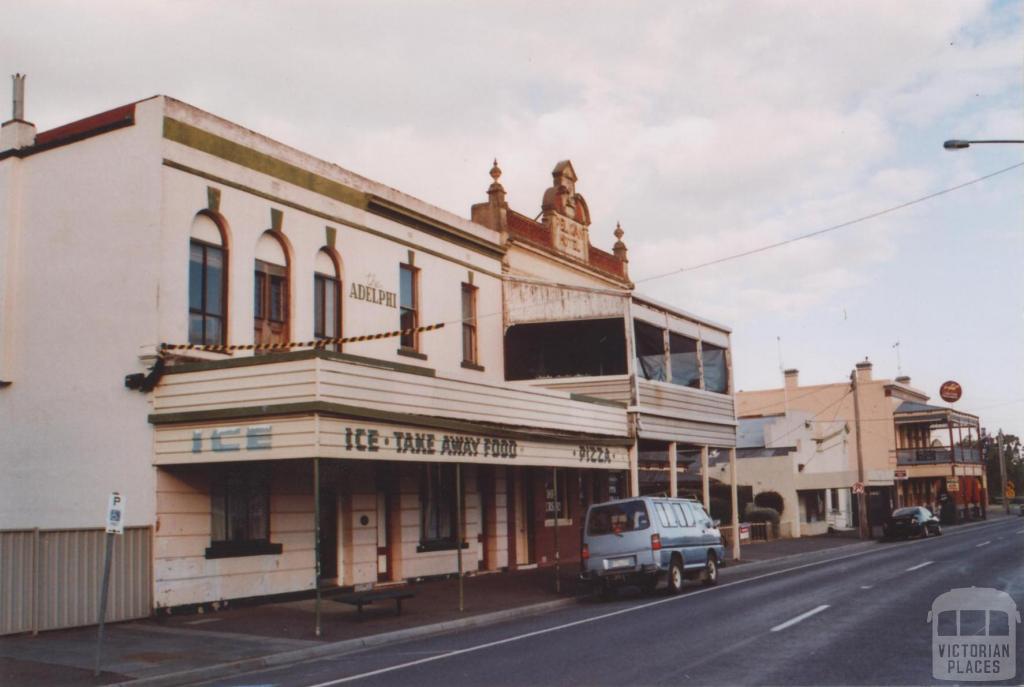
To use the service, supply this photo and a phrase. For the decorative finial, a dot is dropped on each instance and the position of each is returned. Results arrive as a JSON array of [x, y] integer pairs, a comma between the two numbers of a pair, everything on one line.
[[495, 171], [618, 231]]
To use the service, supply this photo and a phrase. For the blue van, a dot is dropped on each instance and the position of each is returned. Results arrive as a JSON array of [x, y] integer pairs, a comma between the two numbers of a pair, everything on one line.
[[644, 540]]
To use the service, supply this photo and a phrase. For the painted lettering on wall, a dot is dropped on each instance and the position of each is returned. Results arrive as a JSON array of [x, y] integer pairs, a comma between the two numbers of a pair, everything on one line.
[[222, 439], [593, 454], [373, 292], [429, 443]]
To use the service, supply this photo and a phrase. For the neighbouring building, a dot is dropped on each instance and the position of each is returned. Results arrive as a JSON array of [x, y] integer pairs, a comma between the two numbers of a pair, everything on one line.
[[912, 453], [803, 459], [296, 376], [573, 323]]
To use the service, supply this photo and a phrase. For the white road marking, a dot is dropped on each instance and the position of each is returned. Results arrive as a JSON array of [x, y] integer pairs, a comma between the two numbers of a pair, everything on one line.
[[920, 565], [631, 609], [1020, 531], [866, 586], [802, 616], [984, 543]]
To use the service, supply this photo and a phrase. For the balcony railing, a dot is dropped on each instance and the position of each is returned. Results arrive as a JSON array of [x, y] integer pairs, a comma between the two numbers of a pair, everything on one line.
[[936, 456]]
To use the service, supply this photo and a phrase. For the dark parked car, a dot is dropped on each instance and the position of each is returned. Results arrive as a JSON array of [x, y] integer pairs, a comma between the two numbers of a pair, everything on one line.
[[911, 522]]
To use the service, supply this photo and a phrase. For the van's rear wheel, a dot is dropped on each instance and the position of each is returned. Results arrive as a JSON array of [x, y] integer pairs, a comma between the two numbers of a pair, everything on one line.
[[709, 577], [675, 576]]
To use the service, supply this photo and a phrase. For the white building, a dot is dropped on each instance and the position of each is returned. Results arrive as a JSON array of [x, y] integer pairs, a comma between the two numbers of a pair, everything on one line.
[[805, 460], [157, 223]]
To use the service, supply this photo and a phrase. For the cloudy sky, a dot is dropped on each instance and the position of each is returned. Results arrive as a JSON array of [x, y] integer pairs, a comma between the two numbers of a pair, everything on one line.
[[706, 128]]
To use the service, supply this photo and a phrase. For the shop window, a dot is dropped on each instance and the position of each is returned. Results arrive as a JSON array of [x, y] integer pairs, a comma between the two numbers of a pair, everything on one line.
[[650, 351], [408, 307], [469, 331], [326, 299], [685, 368], [270, 290], [438, 508], [716, 372], [557, 504], [207, 283], [240, 515]]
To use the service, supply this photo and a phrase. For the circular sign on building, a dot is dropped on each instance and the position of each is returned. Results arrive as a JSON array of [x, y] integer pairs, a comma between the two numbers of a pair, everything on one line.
[[950, 391]]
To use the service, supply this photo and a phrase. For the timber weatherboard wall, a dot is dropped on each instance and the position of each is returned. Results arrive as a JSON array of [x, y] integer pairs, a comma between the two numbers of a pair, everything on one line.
[[385, 390], [683, 403], [610, 388]]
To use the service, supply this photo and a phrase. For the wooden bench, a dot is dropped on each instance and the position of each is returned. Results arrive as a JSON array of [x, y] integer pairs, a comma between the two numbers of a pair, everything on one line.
[[360, 599]]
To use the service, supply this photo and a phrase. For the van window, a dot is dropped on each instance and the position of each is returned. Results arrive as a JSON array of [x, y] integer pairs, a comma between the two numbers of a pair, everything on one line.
[[662, 514], [701, 515], [618, 517], [682, 515]]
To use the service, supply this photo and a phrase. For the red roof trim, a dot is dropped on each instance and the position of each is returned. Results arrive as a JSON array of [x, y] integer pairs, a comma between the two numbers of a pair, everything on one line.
[[90, 126]]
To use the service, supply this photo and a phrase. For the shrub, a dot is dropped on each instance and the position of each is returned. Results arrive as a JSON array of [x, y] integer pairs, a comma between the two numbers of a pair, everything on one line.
[[757, 514], [771, 499]]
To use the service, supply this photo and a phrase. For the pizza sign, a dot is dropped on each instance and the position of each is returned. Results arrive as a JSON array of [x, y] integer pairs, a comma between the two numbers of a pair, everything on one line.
[[950, 391]]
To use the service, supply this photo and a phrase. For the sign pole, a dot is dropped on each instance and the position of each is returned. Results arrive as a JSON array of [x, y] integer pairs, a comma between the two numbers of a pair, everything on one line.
[[316, 543], [458, 531], [103, 601], [558, 568], [115, 525]]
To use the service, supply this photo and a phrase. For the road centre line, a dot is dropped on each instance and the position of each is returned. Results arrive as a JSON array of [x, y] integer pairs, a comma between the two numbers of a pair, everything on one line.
[[622, 611], [802, 616], [919, 566], [984, 543]]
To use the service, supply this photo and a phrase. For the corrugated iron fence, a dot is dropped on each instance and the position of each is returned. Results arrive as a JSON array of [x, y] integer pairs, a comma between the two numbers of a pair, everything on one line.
[[50, 579]]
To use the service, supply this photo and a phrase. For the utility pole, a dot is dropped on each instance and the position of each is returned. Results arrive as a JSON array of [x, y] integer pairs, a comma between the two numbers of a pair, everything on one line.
[[862, 500], [1002, 470]]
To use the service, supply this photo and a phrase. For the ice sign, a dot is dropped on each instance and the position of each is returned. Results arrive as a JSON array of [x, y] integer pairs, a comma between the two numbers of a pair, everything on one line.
[[115, 514]]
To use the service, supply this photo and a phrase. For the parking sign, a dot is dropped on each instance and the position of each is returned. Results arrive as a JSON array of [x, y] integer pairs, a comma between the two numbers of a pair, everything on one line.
[[115, 514]]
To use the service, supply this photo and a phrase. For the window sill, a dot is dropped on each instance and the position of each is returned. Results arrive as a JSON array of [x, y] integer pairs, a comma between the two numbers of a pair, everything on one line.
[[472, 366], [411, 353], [438, 545], [238, 549]]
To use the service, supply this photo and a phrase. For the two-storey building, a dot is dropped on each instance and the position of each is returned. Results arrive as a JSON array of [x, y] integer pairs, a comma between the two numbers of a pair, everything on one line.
[[157, 223], [297, 377], [906, 449], [574, 323]]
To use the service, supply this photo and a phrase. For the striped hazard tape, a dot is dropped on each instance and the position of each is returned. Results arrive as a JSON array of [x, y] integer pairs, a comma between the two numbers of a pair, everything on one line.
[[317, 343]]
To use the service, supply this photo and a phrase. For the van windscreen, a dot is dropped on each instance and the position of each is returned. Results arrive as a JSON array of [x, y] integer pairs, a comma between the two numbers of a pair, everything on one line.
[[616, 518]]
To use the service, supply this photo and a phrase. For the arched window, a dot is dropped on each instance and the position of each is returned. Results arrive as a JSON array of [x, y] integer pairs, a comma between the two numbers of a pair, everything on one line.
[[326, 297], [270, 307], [207, 283]]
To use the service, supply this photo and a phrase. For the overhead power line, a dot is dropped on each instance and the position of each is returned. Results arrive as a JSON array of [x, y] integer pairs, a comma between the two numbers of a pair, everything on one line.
[[834, 227]]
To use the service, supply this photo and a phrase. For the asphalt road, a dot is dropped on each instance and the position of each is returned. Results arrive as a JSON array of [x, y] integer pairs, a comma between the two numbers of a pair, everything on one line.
[[856, 616]]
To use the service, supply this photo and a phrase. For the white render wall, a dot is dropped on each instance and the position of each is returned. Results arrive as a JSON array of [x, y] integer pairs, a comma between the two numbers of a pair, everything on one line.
[[364, 256], [84, 296], [94, 240]]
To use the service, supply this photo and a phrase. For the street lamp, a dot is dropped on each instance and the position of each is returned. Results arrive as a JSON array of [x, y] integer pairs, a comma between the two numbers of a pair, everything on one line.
[[957, 144]]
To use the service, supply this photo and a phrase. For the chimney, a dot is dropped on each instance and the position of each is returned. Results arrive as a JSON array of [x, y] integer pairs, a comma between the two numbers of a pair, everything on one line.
[[904, 380], [792, 377], [864, 371], [16, 132]]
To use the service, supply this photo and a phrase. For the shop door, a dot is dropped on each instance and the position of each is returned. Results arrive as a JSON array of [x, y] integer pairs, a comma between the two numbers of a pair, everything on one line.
[[524, 526], [328, 535]]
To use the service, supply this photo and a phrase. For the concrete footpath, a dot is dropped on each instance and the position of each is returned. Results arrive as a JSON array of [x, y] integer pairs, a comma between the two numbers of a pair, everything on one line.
[[191, 648]]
